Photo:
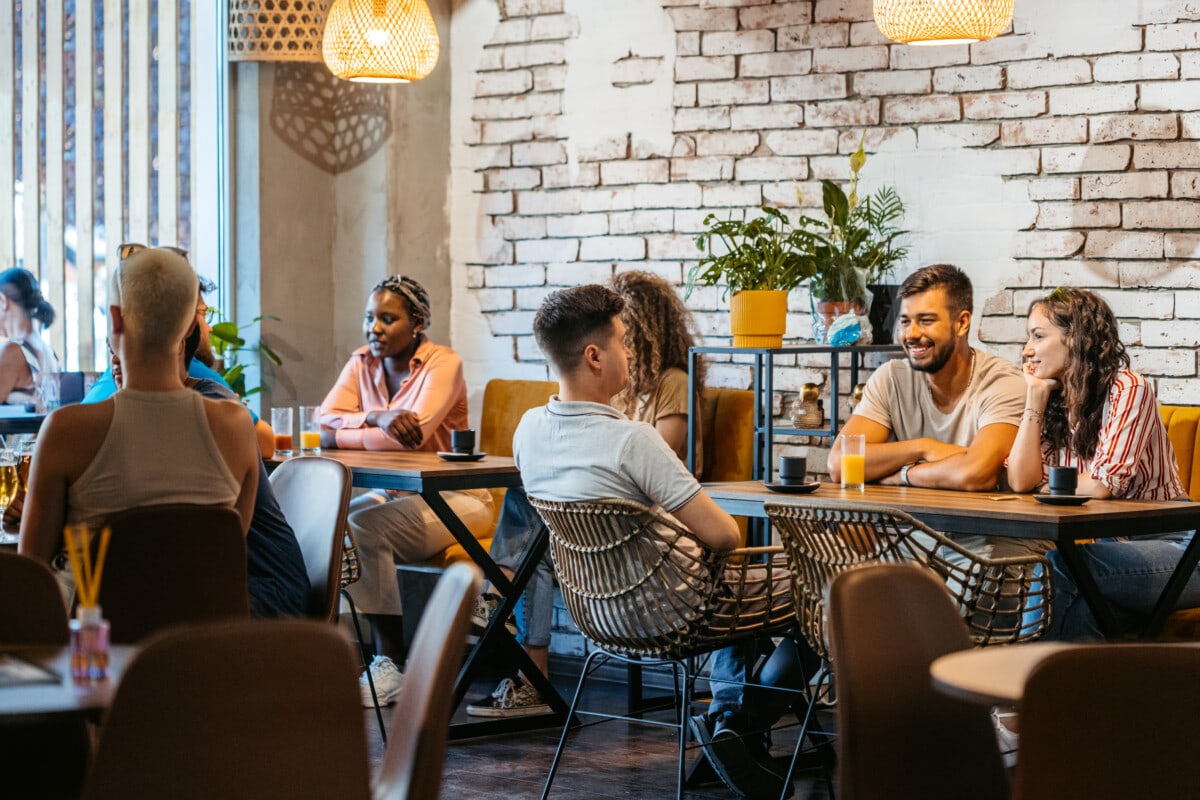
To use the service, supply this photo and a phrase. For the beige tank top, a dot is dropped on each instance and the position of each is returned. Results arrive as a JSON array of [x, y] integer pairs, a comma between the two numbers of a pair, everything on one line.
[[158, 450]]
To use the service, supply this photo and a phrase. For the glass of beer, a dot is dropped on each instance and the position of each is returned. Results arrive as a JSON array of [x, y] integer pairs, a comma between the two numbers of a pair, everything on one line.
[[281, 423], [854, 461], [310, 430], [10, 482]]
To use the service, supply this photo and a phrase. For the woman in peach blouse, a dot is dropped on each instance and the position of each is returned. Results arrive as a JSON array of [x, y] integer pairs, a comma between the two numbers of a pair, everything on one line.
[[399, 392]]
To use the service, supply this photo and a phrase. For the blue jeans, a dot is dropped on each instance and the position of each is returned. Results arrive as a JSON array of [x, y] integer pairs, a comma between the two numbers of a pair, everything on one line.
[[756, 707], [1131, 576], [519, 523]]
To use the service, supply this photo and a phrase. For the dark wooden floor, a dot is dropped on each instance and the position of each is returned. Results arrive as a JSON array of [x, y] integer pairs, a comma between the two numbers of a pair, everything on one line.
[[607, 760]]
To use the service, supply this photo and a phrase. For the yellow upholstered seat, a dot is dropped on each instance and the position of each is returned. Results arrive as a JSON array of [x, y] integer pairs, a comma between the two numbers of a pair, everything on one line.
[[504, 403], [1183, 428]]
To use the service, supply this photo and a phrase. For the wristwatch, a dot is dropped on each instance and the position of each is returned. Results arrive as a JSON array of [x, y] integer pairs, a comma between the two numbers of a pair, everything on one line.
[[904, 474]]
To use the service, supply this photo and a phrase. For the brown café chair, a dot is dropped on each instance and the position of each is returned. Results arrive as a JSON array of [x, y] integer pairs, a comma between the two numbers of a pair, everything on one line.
[[412, 763], [245, 709], [44, 758], [1110, 721], [172, 564], [314, 495], [897, 735]]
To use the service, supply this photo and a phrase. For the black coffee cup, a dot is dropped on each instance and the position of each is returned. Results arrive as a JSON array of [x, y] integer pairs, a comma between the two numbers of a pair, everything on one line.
[[462, 441], [792, 470], [1063, 480]]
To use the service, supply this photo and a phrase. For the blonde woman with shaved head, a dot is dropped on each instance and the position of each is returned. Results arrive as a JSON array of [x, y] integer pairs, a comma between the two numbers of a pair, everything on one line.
[[94, 460]]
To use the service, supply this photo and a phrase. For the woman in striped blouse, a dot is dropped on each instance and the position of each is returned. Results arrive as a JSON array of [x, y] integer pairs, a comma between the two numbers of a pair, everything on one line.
[[1085, 408]]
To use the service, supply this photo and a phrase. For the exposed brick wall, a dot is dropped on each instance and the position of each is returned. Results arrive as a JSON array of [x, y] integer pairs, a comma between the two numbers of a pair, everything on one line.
[[1099, 145]]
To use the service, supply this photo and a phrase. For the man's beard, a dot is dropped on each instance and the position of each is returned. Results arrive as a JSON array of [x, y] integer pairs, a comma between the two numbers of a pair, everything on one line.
[[939, 356]]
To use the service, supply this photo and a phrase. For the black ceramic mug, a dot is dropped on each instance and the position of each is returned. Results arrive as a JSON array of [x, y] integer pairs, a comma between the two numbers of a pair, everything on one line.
[[1063, 480], [792, 470], [462, 441]]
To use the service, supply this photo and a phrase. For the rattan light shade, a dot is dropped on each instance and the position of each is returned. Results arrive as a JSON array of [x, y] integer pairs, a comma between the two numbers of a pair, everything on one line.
[[380, 41], [942, 21], [276, 30]]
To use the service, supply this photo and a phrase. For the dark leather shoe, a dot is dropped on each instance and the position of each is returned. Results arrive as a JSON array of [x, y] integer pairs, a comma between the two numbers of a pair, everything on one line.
[[734, 761]]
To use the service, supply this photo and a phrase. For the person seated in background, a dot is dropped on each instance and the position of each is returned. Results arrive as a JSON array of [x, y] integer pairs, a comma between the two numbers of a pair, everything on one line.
[[660, 329], [25, 357], [578, 447], [1085, 408], [155, 441], [399, 392], [199, 367]]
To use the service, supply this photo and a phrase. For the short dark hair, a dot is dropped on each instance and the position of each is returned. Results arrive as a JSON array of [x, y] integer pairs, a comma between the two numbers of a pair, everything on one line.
[[956, 284], [571, 319]]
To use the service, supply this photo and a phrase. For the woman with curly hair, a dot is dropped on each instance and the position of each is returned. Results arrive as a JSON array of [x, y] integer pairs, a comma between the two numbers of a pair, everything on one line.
[[660, 331], [1085, 408]]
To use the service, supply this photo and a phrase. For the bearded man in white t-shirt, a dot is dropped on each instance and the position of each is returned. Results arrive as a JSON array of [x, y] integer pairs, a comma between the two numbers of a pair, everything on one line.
[[945, 417]]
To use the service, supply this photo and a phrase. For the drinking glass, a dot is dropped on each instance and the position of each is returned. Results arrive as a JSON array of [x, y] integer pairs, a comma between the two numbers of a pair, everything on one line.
[[854, 461], [310, 430], [281, 423], [10, 482]]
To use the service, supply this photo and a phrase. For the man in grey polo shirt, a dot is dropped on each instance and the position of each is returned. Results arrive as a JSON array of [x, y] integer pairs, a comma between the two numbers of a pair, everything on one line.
[[578, 447], [946, 416]]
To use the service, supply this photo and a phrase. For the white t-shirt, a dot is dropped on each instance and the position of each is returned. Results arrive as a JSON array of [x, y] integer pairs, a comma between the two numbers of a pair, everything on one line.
[[589, 451], [898, 397]]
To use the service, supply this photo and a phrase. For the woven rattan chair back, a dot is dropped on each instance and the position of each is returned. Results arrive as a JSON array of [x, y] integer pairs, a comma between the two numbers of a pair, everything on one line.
[[634, 580], [1002, 600]]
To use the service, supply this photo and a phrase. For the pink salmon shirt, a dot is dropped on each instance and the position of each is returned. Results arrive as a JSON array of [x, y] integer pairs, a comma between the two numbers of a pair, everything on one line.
[[434, 390]]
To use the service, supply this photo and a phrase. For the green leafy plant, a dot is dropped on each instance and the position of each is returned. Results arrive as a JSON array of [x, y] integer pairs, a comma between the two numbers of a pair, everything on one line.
[[760, 253], [857, 243], [227, 341]]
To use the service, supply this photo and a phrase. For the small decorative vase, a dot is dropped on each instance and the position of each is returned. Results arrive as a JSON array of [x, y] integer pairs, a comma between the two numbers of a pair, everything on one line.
[[807, 411], [758, 318]]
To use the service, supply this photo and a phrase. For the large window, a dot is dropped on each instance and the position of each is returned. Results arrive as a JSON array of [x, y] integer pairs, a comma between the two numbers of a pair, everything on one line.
[[111, 130]]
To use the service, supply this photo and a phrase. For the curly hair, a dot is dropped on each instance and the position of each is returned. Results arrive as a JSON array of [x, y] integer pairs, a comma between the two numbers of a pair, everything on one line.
[[1095, 355], [659, 330]]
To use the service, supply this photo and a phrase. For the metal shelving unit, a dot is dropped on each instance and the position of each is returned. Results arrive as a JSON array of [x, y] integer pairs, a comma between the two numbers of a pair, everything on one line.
[[763, 386]]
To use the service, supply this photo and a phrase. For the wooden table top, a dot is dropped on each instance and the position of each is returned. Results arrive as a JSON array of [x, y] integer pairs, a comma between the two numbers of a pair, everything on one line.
[[420, 471], [995, 513], [22, 703]]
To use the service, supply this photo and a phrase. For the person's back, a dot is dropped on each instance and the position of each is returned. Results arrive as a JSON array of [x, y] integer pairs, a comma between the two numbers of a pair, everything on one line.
[[122, 453]]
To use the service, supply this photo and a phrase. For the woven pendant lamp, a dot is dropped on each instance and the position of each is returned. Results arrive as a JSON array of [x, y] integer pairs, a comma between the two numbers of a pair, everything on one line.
[[380, 41], [942, 21]]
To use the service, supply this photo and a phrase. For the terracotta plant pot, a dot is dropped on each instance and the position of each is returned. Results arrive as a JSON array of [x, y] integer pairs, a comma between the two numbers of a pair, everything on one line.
[[758, 318]]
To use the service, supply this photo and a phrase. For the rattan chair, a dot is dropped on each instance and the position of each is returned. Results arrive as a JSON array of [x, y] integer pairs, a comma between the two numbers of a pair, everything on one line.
[[643, 589], [1002, 600]]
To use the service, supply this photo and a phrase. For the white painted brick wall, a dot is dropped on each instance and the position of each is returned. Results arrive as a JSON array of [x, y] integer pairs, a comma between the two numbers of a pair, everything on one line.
[[1081, 150]]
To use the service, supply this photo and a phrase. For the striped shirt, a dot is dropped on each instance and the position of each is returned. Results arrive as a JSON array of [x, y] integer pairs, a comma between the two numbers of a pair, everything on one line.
[[1134, 457]]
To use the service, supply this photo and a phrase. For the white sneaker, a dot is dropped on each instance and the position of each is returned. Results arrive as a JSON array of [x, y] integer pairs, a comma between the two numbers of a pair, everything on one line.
[[1006, 738], [388, 680]]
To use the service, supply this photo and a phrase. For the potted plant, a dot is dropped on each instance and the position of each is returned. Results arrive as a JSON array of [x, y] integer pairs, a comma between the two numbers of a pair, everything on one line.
[[759, 261], [227, 340], [855, 246]]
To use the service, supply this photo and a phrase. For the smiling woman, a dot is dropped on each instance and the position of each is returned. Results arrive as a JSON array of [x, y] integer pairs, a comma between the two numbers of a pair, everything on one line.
[[400, 391]]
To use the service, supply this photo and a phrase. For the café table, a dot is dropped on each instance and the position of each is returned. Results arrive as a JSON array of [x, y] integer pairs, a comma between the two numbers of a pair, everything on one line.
[[996, 676], [15, 419], [1016, 515], [24, 703], [428, 475]]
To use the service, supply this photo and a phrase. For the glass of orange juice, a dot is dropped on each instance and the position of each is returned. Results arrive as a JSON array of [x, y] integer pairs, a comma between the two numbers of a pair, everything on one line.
[[281, 423], [310, 430], [854, 461]]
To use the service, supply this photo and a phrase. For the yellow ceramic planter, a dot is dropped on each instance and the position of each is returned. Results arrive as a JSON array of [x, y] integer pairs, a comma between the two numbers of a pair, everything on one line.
[[758, 318]]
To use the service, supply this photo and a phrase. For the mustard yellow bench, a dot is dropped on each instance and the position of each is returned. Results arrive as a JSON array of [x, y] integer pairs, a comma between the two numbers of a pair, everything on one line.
[[1183, 429]]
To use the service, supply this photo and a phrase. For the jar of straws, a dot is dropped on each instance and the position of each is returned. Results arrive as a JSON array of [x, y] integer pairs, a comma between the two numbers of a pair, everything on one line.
[[89, 629]]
